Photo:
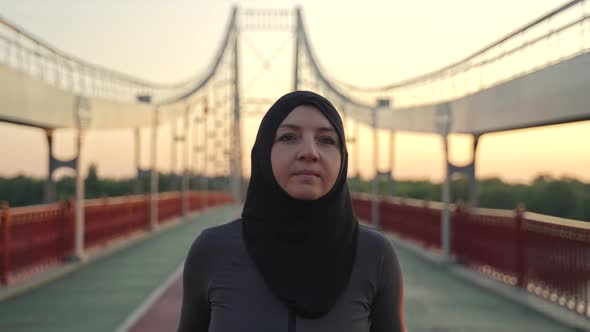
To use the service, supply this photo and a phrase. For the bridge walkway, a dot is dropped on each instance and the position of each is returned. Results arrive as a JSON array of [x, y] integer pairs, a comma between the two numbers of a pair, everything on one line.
[[138, 289]]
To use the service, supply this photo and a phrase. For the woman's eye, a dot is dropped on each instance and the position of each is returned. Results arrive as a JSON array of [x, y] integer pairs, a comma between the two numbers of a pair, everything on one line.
[[287, 138], [327, 140]]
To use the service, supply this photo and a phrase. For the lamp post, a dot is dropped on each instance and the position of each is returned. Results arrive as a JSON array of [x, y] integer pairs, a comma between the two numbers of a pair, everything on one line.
[[392, 162], [82, 117], [185, 186], [154, 158], [382, 105], [443, 123]]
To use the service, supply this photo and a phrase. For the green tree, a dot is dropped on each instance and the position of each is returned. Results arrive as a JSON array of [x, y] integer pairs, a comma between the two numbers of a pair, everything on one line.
[[92, 183], [21, 190]]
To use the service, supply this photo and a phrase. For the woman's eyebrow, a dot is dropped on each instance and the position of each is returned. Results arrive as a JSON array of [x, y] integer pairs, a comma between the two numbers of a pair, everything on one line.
[[296, 127], [290, 126]]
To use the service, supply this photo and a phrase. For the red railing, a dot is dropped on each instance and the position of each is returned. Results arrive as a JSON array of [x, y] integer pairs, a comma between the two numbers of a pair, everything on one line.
[[109, 218], [169, 206], [547, 256], [35, 236], [557, 256]]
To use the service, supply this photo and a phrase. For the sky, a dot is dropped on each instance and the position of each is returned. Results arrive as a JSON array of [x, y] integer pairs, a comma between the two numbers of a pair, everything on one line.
[[366, 43]]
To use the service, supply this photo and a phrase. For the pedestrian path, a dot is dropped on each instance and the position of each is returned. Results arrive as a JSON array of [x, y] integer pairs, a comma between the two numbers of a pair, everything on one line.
[[139, 289], [101, 295], [435, 301], [438, 301], [162, 314]]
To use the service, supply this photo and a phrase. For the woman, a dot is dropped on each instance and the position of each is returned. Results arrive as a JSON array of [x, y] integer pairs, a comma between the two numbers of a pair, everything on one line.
[[297, 260]]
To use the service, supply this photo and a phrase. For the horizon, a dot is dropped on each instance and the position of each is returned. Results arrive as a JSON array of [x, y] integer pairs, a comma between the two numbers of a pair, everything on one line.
[[71, 175]]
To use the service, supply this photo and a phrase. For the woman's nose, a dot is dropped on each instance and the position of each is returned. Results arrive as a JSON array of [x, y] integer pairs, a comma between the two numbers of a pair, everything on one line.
[[309, 150]]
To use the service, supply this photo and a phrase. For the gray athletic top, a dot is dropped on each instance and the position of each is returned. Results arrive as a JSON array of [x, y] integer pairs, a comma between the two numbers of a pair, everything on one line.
[[224, 292]]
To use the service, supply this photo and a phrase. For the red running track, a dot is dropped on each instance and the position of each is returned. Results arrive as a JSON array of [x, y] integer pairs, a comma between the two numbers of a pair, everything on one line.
[[164, 313]]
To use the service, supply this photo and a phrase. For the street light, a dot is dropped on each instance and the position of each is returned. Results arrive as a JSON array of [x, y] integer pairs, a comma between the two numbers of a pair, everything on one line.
[[443, 125], [83, 115], [147, 99], [382, 105]]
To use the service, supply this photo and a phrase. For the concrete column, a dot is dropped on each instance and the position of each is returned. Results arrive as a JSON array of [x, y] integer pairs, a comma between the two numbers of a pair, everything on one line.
[[296, 53], [446, 195], [197, 149], [236, 142], [357, 150], [204, 180], [53, 165], [185, 163], [473, 193], [79, 212], [49, 194], [137, 153], [392, 162], [173, 148], [375, 191], [154, 175]]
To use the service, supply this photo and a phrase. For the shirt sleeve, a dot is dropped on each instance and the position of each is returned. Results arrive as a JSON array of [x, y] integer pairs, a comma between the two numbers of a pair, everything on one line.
[[387, 314], [195, 313]]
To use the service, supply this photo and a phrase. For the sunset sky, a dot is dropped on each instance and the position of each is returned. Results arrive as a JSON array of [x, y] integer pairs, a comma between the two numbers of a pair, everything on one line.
[[366, 43]]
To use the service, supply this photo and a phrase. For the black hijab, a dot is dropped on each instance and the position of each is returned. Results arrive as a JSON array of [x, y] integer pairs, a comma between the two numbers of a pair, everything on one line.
[[305, 250]]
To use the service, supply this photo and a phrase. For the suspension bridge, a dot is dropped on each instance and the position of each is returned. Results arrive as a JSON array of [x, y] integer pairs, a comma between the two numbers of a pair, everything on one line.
[[64, 262]]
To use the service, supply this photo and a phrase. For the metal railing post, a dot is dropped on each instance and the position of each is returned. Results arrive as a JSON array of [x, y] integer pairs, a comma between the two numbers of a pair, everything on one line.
[[5, 243], [520, 246]]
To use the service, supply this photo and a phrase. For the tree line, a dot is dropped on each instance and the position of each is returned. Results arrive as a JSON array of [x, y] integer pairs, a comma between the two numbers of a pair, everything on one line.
[[562, 197], [23, 190]]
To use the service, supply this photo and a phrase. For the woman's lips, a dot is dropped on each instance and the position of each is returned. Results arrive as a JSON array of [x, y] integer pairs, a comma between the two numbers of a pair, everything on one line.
[[307, 173]]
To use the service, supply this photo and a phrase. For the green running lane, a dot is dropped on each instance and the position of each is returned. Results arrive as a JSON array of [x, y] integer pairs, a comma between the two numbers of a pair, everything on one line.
[[437, 301], [102, 294]]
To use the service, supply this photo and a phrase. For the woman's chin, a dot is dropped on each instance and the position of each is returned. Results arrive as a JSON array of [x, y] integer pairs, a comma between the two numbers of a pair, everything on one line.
[[304, 194]]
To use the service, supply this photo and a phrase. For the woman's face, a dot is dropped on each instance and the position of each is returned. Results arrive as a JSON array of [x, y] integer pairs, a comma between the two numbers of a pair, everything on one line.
[[306, 155]]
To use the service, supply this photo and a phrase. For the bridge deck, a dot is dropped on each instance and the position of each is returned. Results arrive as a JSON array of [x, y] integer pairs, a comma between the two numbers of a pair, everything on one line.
[[103, 295]]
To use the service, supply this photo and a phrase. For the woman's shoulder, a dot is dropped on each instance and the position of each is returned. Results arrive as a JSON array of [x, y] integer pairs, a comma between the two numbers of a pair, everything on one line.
[[222, 231], [373, 239], [377, 250], [216, 239]]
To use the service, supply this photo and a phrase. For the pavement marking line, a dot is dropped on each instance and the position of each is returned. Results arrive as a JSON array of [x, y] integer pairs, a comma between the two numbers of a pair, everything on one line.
[[150, 300]]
